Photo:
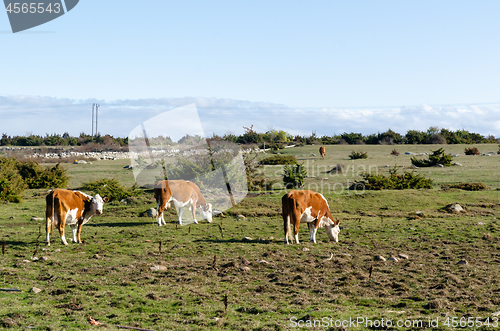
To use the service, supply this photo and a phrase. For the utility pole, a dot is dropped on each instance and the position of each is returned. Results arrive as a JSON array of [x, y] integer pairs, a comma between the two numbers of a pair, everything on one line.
[[93, 105], [96, 120]]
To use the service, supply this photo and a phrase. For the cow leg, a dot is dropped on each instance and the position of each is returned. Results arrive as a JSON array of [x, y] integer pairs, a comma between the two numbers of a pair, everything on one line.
[[312, 232], [73, 230], [159, 213], [79, 232], [193, 210], [62, 224], [179, 212], [296, 224]]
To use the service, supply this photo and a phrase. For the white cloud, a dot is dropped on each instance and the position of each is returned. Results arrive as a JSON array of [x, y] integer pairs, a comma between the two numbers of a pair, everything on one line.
[[45, 115]]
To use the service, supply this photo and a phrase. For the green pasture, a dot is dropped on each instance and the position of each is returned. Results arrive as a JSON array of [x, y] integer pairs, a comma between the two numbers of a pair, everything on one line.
[[237, 274]]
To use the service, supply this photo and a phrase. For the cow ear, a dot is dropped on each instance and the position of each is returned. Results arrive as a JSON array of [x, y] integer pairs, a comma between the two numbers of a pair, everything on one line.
[[338, 221], [106, 199]]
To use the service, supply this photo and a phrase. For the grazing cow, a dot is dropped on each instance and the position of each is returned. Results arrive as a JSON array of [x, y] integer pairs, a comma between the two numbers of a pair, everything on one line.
[[181, 193], [311, 208], [73, 208], [322, 152]]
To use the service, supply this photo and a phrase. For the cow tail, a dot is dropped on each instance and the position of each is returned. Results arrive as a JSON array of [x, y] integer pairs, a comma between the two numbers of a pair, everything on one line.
[[53, 217], [291, 229]]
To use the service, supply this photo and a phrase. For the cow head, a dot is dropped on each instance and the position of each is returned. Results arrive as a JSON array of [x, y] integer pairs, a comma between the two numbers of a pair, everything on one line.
[[333, 230], [206, 212], [96, 204]]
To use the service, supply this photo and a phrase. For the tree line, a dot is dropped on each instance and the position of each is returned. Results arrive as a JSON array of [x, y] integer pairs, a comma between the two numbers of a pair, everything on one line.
[[271, 138]]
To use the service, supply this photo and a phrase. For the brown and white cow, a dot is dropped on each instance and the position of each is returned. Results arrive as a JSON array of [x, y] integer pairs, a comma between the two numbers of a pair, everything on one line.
[[307, 207], [73, 208], [181, 193], [322, 152]]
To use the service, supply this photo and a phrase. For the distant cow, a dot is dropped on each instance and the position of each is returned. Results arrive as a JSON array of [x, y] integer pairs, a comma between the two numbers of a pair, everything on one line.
[[73, 208], [181, 193], [322, 152], [311, 208]]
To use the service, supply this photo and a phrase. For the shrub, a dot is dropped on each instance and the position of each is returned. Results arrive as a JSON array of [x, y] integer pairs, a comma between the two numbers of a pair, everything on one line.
[[12, 184], [279, 159], [294, 175], [472, 151], [466, 186], [437, 157], [111, 188], [408, 180], [256, 179], [358, 155], [35, 176]]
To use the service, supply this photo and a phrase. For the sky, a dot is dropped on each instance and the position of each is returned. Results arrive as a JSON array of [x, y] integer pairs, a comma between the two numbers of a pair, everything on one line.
[[322, 66]]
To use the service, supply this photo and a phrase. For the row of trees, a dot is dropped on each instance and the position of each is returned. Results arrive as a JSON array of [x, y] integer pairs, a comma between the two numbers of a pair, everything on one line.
[[432, 136], [272, 137], [58, 140]]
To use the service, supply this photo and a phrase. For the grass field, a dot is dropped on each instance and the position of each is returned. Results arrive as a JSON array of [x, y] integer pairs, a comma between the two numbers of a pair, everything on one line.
[[211, 277]]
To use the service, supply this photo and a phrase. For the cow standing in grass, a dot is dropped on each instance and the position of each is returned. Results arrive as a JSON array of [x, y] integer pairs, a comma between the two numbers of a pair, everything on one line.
[[322, 152], [73, 208], [307, 207], [181, 193]]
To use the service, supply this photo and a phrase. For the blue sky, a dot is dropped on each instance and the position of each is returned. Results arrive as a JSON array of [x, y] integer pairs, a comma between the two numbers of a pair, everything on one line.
[[324, 66]]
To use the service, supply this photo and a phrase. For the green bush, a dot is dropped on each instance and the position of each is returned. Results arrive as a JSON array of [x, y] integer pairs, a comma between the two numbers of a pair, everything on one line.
[[111, 188], [279, 159], [12, 184], [294, 175], [37, 177], [437, 157], [358, 155], [408, 180]]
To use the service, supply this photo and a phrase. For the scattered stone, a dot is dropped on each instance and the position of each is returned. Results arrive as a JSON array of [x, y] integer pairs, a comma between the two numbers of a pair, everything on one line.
[[271, 238], [411, 229], [34, 258], [392, 258], [403, 256], [176, 247], [44, 258], [488, 237], [245, 261], [247, 239], [96, 256], [495, 314], [153, 296], [151, 212], [240, 218], [57, 250], [463, 261], [457, 164], [35, 290], [379, 258], [80, 162], [345, 254], [128, 167], [124, 201], [454, 208], [157, 267], [245, 269], [34, 218], [480, 223], [262, 261]]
